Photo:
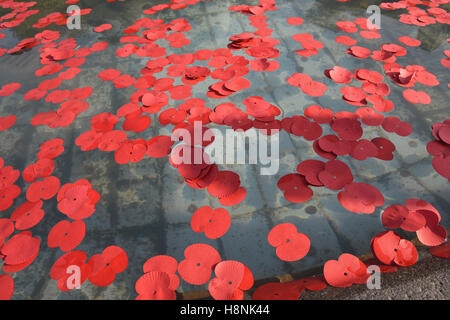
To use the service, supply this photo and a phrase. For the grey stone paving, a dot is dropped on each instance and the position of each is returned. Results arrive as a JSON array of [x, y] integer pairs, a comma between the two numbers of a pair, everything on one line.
[[146, 208]]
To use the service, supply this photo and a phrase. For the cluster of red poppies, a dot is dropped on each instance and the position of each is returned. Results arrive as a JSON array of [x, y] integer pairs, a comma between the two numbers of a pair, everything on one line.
[[417, 16], [416, 216], [440, 148]]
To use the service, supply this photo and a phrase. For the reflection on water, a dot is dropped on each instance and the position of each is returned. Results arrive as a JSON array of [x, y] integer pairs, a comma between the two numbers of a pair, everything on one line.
[[145, 207]]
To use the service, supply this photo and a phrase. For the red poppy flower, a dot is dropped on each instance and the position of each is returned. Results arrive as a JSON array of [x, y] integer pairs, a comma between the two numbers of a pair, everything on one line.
[[159, 147], [311, 283], [88, 140], [347, 129], [66, 235], [154, 285], [346, 40], [416, 96], [19, 251], [363, 149], [398, 216], [310, 170], [225, 184], [214, 223], [103, 27], [232, 278], [105, 266], [359, 52], [166, 264], [339, 74], [411, 42], [6, 287], [28, 214], [8, 175], [200, 260], [77, 200], [6, 229], [296, 21], [295, 188], [345, 271], [276, 291], [7, 122], [7, 196], [302, 127], [360, 198], [335, 175], [51, 149], [442, 250], [234, 198], [393, 124], [385, 148], [45, 189], [290, 245], [109, 74], [390, 248], [131, 151], [63, 269], [111, 140], [9, 89], [41, 169]]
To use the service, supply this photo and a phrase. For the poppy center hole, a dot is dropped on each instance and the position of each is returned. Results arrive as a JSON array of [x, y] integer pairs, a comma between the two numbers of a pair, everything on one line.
[[230, 283], [198, 264], [209, 220], [345, 273]]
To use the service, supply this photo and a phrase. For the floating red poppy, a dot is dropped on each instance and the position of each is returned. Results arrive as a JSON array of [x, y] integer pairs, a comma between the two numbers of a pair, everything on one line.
[[45, 189], [200, 260], [19, 251], [69, 269], [51, 149], [360, 198], [105, 266], [66, 235], [213, 222], [6, 287], [290, 245], [77, 200], [345, 271], [232, 278], [295, 188], [390, 248], [27, 215]]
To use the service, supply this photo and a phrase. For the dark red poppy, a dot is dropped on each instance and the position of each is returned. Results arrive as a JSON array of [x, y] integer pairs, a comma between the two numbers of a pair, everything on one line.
[[398, 216], [276, 291], [310, 170], [335, 175], [159, 147], [295, 188], [442, 250]]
